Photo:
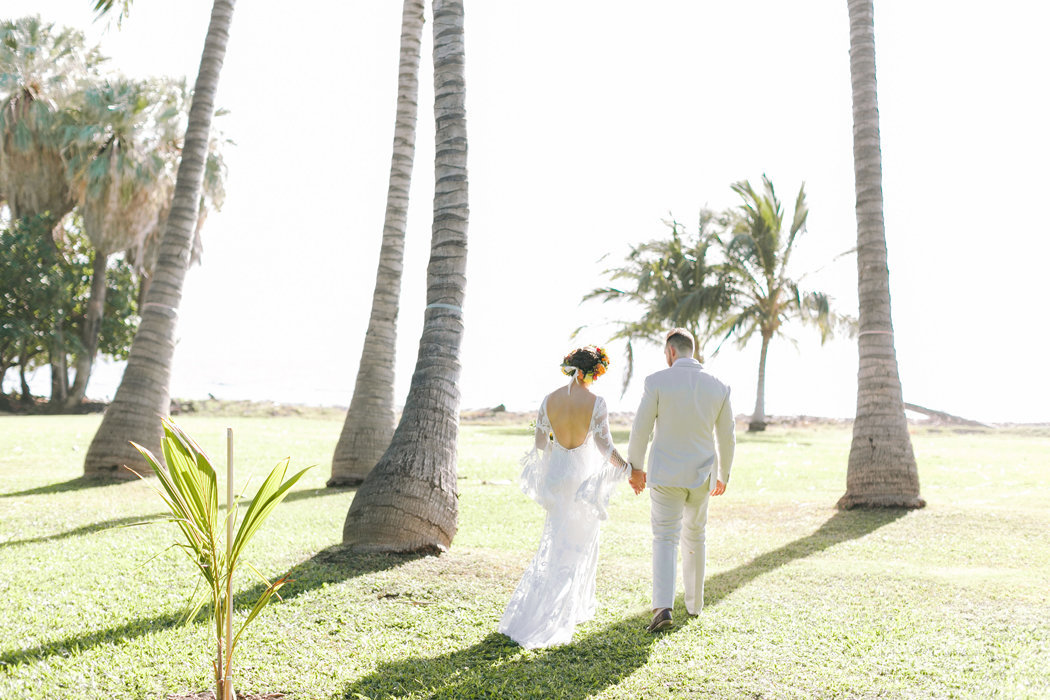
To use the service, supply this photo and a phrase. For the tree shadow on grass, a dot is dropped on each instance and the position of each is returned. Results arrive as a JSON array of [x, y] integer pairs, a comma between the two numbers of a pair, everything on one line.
[[332, 565], [322, 491], [89, 529], [77, 484], [84, 482], [497, 667], [841, 527], [152, 518]]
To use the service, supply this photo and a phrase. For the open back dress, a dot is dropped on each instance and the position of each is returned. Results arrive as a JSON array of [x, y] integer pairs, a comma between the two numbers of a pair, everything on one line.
[[557, 590]]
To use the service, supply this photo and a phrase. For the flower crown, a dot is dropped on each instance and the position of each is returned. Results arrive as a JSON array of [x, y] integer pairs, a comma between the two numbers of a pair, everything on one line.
[[598, 370]]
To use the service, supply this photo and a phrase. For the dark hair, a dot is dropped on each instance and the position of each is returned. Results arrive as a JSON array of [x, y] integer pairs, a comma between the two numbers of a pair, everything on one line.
[[584, 359], [682, 341], [586, 362]]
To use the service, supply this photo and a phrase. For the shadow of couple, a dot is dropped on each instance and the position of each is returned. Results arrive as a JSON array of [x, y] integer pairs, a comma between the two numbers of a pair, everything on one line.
[[497, 667]]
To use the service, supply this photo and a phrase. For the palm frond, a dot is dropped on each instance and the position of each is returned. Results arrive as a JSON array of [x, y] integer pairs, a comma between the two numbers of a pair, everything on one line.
[[103, 8], [798, 226]]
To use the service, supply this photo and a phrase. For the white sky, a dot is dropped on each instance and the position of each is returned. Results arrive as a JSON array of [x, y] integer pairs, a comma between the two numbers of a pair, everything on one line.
[[588, 123]]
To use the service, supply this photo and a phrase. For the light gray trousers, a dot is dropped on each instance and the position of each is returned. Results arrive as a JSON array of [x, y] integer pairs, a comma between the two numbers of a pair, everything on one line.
[[679, 515]]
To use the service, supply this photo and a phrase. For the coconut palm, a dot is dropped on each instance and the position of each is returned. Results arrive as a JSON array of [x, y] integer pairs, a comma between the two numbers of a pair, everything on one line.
[[142, 397], [172, 110], [882, 470], [409, 500], [122, 179], [672, 283], [765, 297], [369, 422], [39, 69]]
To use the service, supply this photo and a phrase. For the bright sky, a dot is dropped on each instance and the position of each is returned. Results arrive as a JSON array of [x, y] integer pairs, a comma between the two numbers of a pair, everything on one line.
[[588, 124]]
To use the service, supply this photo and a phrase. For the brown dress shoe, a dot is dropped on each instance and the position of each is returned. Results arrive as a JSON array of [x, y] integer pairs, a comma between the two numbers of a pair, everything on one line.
[[661, 621]]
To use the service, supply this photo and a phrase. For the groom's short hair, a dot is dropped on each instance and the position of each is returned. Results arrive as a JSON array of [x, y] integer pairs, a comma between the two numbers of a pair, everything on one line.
[[682, 341]]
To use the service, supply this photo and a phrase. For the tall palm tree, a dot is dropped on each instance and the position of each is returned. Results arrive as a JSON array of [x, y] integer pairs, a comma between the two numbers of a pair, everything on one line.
[[409, 500], [882, 470], [121, 179], [369, 422], [765, 297], [142, 397]]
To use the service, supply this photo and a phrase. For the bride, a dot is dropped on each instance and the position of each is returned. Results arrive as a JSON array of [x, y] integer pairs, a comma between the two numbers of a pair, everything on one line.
[[571, 472]]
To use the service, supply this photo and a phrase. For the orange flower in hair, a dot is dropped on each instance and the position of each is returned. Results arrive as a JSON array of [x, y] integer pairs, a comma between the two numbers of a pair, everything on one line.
[[599, 368]]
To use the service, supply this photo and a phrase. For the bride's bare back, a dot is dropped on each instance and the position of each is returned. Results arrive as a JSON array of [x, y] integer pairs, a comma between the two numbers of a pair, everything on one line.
[[570, 414]]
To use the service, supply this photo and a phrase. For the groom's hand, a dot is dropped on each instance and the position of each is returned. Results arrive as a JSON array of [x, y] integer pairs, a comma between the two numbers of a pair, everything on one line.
[[637, 481], [719, 488]]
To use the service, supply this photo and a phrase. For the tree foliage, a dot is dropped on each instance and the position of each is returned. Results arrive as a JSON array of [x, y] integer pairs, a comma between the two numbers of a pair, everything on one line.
[[103, 149], [106, 7], [757, 255], [41, 66], [43, 292], [729, 279], [671, 282]]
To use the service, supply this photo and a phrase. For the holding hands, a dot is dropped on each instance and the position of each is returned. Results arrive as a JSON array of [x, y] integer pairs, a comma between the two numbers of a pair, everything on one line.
[[637, 480]]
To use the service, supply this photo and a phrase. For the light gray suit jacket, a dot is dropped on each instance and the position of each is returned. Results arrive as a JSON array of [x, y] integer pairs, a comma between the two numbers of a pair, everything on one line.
[[694, 426]]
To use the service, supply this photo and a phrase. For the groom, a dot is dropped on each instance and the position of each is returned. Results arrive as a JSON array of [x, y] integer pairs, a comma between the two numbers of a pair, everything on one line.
[[690, 460]]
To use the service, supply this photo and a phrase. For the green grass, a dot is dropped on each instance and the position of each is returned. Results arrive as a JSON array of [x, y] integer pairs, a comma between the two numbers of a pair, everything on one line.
[[802, 600]]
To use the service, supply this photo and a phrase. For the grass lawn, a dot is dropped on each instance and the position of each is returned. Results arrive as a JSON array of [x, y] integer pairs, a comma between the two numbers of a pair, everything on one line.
[[802, 601]]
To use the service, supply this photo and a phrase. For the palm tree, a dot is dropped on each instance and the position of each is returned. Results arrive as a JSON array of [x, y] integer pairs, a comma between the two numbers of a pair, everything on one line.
[[172, 110], [369, 422], [409, 500], [142, 397], [39, 68], [765, 297], [882, 470], [672, 283], [121, 180]]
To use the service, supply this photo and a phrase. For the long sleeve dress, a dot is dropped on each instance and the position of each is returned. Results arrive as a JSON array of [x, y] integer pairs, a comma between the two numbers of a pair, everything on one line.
[[557, 591]]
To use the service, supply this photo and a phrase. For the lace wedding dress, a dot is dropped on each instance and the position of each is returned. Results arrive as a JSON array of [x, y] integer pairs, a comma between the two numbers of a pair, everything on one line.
[[573, 486]]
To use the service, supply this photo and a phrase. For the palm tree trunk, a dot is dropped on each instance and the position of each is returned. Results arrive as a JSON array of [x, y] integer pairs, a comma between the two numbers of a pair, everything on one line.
[[144, 280], [882, 470], [758, 418], [96, 306], [142, 397], [369, 423], [409, 502]]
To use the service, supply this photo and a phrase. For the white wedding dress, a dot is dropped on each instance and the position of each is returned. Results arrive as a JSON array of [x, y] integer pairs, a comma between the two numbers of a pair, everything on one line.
[[573, 485]]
